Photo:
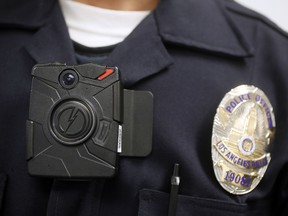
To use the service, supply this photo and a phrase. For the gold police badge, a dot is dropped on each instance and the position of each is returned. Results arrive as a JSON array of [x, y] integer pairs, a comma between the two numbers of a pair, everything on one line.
[[242, 131]]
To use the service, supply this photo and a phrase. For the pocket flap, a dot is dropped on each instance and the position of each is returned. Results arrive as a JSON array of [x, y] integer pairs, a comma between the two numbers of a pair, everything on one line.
[[155, 203]]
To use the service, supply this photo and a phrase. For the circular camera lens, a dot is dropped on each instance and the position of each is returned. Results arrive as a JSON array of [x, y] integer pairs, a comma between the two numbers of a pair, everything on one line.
[[68, 79]]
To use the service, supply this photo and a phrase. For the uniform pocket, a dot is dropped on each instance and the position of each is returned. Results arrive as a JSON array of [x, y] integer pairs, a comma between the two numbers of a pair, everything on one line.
[[155, 203], [3, 179]]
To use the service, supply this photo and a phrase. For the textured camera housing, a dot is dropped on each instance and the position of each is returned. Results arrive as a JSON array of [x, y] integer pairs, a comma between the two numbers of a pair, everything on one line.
[[76, 126]]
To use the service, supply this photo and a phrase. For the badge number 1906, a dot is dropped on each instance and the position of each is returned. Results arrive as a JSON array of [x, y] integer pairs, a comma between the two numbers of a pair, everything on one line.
[[242, 130]]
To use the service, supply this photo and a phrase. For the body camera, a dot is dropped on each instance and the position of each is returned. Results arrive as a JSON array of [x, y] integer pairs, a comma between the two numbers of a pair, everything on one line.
[[81, 120]]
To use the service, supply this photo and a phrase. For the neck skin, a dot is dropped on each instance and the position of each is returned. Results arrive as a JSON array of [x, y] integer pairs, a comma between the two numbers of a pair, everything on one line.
[[125, 5]]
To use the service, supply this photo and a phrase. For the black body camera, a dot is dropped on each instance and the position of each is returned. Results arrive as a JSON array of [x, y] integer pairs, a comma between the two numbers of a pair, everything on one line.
[[81, 120]]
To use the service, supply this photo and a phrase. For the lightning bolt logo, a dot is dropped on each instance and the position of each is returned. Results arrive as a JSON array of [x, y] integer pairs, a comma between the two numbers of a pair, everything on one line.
[[73, 115], [72, 121]]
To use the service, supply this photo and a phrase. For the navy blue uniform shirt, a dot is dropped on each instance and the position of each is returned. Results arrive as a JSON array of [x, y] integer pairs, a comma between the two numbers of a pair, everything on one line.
[[188, 53]]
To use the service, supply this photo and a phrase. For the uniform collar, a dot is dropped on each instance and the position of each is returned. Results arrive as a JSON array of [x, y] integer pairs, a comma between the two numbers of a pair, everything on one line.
[[143, 53], [196, 24], [140, 55], [201, 24]]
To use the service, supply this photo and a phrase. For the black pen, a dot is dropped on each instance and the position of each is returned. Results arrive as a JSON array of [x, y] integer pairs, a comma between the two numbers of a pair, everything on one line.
[[175, 181]]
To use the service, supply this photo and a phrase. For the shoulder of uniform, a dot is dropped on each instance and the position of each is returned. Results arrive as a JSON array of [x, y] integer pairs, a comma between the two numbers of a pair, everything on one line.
[[33, 15], [240, 10]]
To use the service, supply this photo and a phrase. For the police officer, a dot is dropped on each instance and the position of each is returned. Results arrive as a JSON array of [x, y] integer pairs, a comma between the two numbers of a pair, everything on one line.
[[189, 54]]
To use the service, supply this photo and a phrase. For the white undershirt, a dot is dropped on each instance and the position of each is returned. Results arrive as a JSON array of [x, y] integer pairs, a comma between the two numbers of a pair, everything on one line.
[[97, 27]]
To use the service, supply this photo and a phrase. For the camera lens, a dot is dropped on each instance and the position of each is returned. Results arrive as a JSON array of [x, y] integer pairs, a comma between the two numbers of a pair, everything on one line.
[[68, 79]]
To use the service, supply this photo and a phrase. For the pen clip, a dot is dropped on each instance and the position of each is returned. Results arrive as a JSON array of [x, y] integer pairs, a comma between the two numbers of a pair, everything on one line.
[[175, 182]]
